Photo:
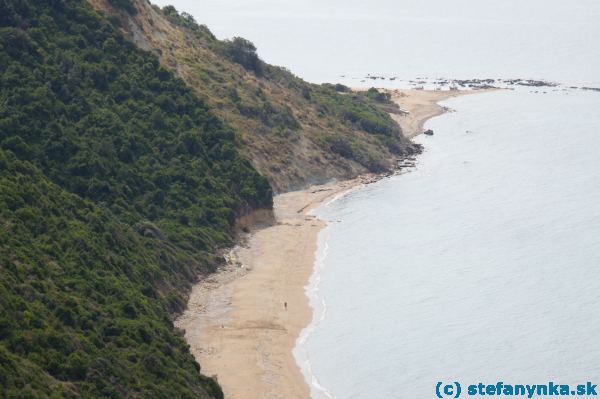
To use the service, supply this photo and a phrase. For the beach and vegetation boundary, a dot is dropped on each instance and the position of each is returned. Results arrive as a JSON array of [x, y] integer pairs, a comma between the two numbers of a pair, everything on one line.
[[131, 142], [243, 323]]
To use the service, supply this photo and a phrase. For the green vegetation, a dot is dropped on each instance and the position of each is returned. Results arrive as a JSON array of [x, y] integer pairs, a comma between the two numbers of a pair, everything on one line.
[[187, 21], [357, 109], [125, 4], [85, 299], [378, 96], [106, 122], [361, 111], [116, 185], [243, 52]]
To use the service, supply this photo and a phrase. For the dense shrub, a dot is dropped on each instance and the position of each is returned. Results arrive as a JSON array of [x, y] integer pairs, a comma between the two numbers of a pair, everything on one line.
[[187, 21], [116, 185], [357, 109], [351, 149], [243, 52], [84, 310], [124, 4], [378, 96]]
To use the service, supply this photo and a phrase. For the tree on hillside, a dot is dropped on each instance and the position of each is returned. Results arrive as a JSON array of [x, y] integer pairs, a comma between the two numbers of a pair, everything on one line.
[[243, 52]]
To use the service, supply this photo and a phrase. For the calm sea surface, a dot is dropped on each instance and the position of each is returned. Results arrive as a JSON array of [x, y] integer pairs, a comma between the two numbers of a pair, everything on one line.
[[482, 263]]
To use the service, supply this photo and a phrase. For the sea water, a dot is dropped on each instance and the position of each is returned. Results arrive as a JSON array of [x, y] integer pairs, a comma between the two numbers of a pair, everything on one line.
[[482, 263]]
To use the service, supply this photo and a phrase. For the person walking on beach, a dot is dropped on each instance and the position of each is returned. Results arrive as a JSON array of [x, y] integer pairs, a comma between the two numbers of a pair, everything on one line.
[[285, 305]]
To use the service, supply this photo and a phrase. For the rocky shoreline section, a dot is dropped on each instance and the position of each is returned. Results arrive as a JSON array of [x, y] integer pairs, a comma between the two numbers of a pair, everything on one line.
[[439, 83]]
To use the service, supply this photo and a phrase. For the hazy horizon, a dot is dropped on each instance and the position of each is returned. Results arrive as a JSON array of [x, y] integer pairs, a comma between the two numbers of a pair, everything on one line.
[[320, 41]]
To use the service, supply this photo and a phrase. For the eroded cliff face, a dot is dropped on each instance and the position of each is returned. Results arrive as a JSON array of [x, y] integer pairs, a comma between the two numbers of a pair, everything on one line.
[[295, 133]]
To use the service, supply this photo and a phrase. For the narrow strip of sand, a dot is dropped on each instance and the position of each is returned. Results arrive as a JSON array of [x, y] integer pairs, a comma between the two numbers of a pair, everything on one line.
[[237, 322], [421, 105]]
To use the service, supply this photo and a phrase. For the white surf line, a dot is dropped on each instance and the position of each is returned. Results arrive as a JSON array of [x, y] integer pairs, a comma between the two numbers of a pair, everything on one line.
[[318, 305]]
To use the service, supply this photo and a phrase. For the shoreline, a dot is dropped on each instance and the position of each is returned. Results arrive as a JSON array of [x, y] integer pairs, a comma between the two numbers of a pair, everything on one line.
[[236, 322], [423, 105], [243, 322]]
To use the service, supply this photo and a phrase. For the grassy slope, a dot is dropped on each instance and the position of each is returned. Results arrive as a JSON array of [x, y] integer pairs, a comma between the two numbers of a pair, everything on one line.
[[116, 185], [296, 133]]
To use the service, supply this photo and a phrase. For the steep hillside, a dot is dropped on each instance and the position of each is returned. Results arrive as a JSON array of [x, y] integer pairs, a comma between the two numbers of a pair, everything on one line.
[[117, 184], [85, 299], [296, 133]]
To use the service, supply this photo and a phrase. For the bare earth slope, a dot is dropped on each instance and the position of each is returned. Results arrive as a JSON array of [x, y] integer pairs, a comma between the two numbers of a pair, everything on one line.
[[295, 133]]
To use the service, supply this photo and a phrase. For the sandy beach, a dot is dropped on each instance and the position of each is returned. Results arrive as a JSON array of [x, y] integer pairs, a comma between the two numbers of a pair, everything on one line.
[[421, 105], [237, 324]]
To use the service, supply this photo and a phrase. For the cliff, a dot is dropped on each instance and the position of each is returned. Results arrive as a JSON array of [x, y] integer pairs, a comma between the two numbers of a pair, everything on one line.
[[295, 133]]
